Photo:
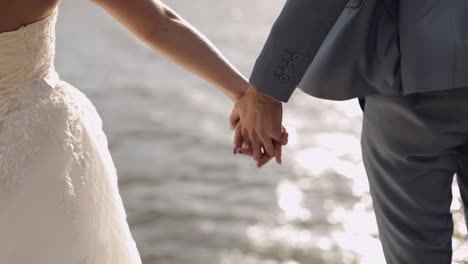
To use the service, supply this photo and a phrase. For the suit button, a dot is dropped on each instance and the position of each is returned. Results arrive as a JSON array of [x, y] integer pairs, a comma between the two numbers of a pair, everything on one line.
[[297, 57], [288, 72], [292, 64], [284, 79]]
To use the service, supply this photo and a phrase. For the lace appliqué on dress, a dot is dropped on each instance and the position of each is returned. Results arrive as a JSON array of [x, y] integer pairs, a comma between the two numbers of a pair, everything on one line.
[[57, 179], [21, 130]]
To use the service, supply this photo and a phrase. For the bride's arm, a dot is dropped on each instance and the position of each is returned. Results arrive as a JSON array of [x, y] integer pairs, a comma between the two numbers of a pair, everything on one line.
[[162, 29]]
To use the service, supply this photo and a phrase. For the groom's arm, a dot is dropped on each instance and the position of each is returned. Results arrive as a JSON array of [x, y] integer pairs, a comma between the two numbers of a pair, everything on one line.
[[294, 40]]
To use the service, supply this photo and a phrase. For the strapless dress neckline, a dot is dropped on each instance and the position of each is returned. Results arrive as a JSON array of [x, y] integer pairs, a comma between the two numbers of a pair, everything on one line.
[[32, 24], [27, 63]]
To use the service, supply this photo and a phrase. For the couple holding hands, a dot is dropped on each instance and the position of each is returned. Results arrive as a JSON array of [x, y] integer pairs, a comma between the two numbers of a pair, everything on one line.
[[406, 61]]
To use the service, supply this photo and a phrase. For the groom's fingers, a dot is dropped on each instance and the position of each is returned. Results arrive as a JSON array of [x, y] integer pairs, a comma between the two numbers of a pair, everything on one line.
[[239, 142], [264, 160], [256, 148], [269, 148], [245, 139], [277, 135], [237, 137], [281, 137]]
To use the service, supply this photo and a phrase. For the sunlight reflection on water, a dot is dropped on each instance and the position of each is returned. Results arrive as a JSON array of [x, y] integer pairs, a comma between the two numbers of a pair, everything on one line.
[[290, 201], [339, 152]]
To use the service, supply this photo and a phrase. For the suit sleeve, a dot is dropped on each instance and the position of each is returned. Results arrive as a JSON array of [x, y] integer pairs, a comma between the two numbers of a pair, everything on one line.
[[293, 41]]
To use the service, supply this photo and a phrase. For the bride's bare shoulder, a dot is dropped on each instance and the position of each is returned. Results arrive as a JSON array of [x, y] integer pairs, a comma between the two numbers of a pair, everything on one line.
[[14, 14]]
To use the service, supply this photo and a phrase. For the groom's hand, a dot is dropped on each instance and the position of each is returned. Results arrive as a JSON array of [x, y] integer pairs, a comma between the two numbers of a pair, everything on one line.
[[242, 148], [260, 118]]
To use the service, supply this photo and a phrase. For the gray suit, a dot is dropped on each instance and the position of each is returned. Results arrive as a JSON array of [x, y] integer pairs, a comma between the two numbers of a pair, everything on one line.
[[414, 135], [433, 38]]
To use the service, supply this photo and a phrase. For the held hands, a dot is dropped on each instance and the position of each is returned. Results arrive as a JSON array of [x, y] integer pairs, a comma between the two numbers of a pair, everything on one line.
[[256, 120]]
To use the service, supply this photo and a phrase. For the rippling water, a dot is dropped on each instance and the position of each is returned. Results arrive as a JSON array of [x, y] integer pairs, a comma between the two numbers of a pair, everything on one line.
[[188, 199]]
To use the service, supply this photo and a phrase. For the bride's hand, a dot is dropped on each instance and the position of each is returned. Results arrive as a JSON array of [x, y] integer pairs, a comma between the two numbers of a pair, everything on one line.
[[260, 118], [241, 147]]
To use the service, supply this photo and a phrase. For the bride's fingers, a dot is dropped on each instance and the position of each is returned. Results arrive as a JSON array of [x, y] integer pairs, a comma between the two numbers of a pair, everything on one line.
[[239, 142], [246, 152], [245, 145]]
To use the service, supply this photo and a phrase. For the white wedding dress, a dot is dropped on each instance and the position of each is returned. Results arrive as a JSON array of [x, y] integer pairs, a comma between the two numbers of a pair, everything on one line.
[[59, 199]]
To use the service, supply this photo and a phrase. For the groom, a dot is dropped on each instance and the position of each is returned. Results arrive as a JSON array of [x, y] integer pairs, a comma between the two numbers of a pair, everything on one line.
[[412, 142]]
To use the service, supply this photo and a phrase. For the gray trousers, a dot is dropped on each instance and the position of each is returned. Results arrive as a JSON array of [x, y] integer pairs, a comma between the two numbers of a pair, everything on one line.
[[411, 148]]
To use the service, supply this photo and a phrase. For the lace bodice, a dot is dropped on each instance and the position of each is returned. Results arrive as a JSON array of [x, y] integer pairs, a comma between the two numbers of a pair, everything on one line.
[[58, 183], [27, 63]]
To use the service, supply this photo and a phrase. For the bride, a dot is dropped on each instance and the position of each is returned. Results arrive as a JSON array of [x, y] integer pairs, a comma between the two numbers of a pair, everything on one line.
[[59, 199]]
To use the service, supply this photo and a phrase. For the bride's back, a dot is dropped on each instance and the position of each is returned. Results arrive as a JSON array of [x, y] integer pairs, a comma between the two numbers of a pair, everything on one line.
[[14, 14]]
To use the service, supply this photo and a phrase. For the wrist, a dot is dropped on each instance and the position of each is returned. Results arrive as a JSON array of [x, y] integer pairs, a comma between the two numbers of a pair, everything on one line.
[[263, 97], [239, 91]]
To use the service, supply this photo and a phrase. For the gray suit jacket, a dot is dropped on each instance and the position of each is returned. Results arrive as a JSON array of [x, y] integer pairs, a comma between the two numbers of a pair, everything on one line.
[[433, 47]]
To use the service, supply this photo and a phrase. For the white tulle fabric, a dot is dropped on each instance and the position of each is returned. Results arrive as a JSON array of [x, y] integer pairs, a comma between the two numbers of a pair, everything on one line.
[[59, 199]]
